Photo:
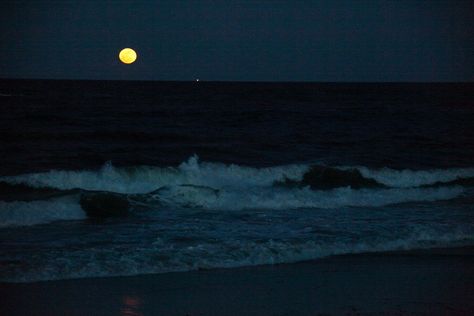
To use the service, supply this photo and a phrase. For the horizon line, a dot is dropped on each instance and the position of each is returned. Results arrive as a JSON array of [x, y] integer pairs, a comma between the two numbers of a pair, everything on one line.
[[234, 81]]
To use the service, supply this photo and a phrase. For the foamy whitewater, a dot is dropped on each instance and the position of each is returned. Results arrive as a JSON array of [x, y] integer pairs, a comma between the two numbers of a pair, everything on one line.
[[179, 217], [165, 177], [214, 186]]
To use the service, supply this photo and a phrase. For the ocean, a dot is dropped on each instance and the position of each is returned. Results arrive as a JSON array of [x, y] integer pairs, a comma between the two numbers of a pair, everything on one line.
[[115, 178]]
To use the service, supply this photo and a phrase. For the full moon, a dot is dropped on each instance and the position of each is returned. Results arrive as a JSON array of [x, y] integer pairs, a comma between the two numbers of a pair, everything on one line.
[[127, 56]]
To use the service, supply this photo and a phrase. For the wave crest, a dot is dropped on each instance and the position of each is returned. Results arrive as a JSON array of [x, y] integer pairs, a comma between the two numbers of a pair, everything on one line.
[[219, 186], [414, 178], [144, 179]]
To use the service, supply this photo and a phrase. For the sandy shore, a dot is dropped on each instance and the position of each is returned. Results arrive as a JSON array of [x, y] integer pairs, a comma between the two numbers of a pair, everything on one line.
[[435, 282]]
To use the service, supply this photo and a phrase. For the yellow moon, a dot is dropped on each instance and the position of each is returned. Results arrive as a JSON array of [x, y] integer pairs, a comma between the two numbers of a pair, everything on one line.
[[127, 56]]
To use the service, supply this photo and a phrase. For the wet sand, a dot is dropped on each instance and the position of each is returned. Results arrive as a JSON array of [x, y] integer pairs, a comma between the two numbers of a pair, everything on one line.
[[434, 282]]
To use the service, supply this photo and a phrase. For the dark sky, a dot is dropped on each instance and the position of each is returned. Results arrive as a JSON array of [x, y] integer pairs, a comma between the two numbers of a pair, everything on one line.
[[239, 40]]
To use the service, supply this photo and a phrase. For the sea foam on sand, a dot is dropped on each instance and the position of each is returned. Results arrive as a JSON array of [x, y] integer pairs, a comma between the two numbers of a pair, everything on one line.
[[429, 282]]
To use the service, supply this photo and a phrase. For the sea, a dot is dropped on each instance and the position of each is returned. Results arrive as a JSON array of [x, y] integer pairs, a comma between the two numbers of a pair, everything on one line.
[[117, 178]]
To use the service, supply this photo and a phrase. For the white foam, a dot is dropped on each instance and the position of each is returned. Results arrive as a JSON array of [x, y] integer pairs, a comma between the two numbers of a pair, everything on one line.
[[145, 179], [96, 262], [234, 187], [413, 178], [280, 199], [20, 213]]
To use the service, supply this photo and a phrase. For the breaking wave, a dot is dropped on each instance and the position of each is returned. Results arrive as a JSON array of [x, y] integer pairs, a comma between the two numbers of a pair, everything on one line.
[[217, 186], [21, 213], [145, 179], [279, 199], [414, 178]]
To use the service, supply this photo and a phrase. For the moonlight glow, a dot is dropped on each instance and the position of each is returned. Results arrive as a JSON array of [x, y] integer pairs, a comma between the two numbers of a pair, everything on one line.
[[127, 56]]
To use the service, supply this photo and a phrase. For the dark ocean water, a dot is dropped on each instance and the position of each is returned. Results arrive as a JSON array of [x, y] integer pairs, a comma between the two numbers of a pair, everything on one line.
[[105, 178]]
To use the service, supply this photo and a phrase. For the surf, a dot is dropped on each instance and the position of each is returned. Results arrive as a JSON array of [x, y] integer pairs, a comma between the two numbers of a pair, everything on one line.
[[145, 179], [39, 198]]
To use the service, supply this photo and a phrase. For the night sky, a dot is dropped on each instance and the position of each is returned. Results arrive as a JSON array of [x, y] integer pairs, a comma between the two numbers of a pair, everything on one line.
[[239, 40]]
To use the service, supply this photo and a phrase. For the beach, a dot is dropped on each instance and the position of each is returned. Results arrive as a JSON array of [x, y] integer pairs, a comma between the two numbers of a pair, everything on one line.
[[426, 282]]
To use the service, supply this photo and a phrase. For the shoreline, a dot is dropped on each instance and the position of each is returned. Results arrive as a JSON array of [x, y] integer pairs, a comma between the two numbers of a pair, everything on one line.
[[437, 281]]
